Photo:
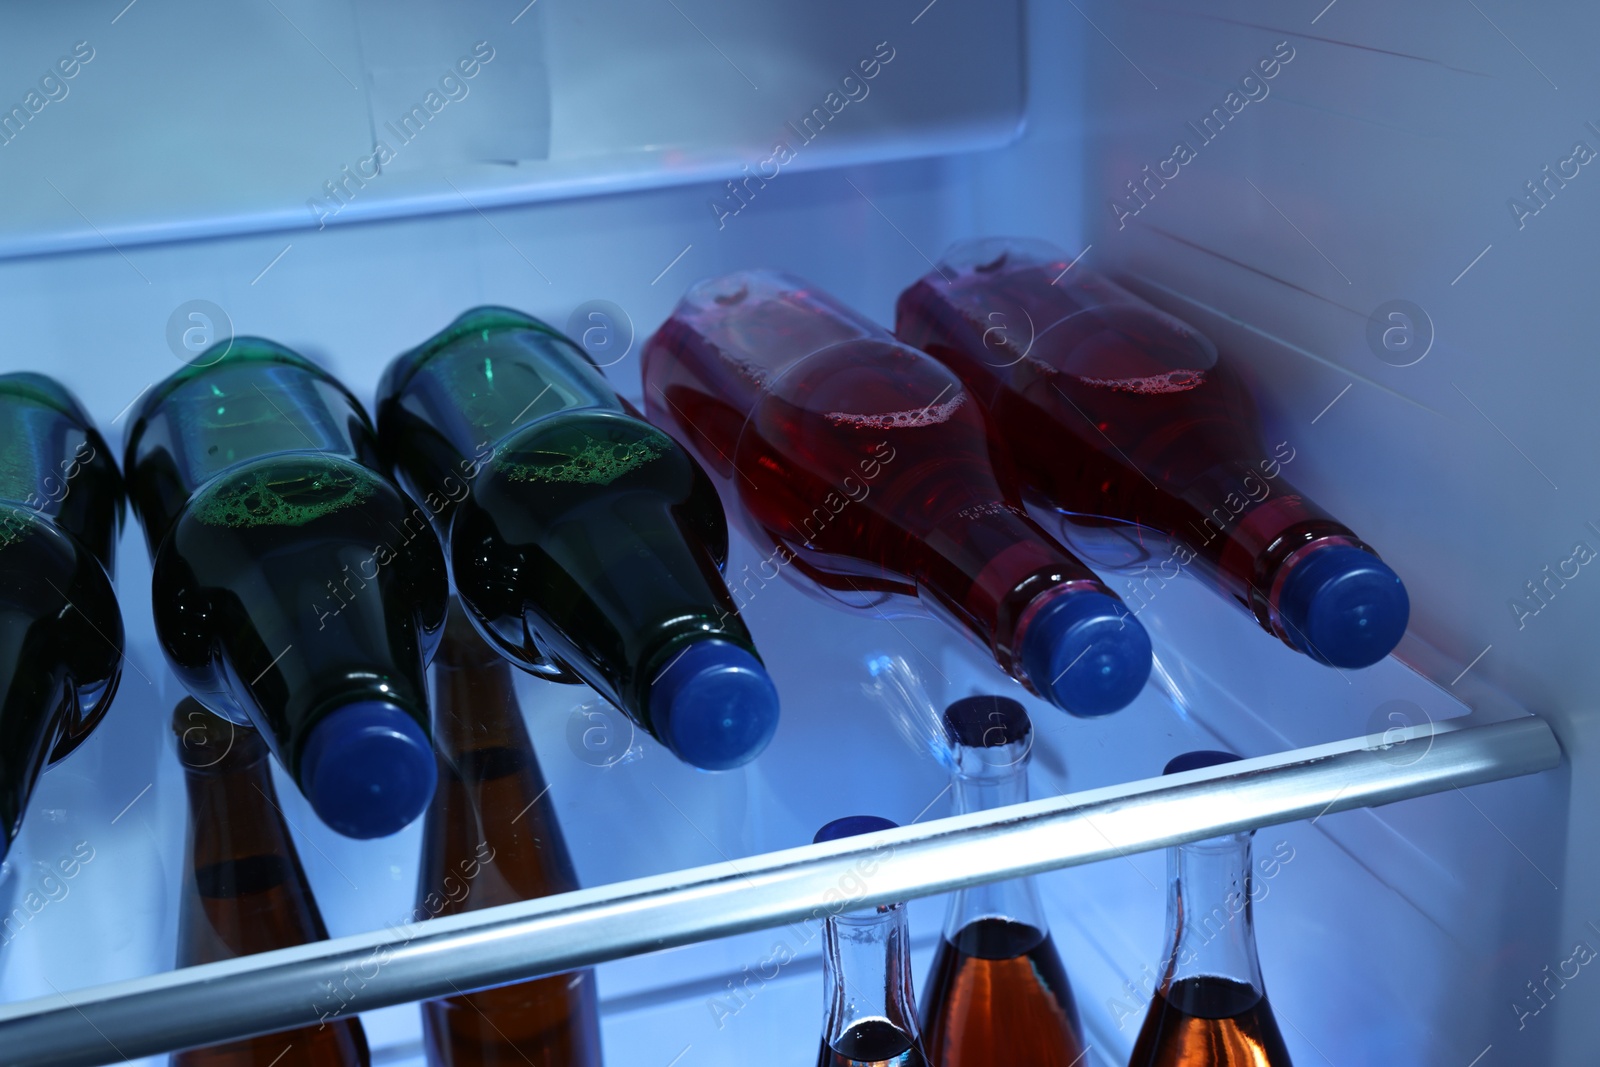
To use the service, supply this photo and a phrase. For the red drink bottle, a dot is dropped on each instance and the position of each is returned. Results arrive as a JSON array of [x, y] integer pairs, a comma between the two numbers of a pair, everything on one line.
[[867, 469], [1118, 411]]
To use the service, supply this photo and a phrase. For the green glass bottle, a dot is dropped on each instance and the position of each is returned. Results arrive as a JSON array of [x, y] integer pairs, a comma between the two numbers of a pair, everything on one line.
[[583, 541], [296, 588], [61, 509]]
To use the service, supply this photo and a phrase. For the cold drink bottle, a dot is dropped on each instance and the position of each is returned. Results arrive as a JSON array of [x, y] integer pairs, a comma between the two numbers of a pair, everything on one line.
[[997, 995], [245, 891], [583, 541], [1119, 411], [296, 588], [1211, 1008], [869, 1005], [61, 509], [491, 837], [865, 468]]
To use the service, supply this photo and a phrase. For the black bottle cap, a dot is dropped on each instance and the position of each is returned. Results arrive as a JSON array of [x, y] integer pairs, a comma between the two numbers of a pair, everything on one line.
[[1193, 761], [850, 826], [986, 722]]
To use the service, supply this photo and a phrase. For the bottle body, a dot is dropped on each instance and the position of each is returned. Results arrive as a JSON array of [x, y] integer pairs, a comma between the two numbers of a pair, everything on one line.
[[491, 837], [997, 994], [1130, 417], [61, 507], [1210, 1009], [245, 891], [865, 469], [296, 588], [869, 1006], [584, 542]]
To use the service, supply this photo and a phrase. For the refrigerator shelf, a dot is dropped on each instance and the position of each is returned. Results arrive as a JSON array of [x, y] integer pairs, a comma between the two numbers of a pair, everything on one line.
[[282, 989]]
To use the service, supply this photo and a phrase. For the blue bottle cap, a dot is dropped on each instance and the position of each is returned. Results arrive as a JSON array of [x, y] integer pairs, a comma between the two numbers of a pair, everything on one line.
[[1086, 653], [713, 705], [368, 769], [1193, 761], [986, 722], [1343, 606], [851, 826]]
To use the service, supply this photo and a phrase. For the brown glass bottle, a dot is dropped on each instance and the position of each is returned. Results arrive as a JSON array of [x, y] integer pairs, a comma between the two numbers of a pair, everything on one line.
[[245, 891], [490, 838]]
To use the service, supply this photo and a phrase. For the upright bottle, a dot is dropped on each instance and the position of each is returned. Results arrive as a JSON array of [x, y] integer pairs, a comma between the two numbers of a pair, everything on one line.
[[1211, 1008], [1119, 411], [583, 541], [491, 837], [61, 510], [869, 1010], [866, 469], [997, 995], [296, 588], [245, 891]]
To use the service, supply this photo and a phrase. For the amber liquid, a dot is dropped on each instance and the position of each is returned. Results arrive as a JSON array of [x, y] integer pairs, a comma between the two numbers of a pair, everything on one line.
[[492, 838], [873, 1043], [998, 995], [1210, 1022], [246, 890]]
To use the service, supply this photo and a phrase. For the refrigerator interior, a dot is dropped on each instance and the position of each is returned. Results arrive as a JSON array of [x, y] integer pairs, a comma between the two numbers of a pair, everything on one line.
[[1377, 164]]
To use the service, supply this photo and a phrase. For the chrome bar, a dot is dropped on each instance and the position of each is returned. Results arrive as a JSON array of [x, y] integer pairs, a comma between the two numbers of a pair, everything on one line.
[[298, 986]]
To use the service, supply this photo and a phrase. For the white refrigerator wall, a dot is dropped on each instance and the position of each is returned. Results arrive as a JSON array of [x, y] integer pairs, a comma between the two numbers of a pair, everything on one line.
[[1375, 167]]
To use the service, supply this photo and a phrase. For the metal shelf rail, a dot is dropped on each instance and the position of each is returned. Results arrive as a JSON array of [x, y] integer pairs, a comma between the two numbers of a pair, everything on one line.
[[445, 956]]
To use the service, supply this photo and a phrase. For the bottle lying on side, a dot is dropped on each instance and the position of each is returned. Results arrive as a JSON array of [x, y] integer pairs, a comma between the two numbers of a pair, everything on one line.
[[583, 541], [1119, 412], [61, 509], [866, 471], [296, 588]]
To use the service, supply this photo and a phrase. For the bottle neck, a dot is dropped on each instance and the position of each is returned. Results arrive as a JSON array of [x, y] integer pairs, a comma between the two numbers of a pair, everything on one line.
[[1210, 926], [867, 972], [491, 835], [245, 890], [990, 778], [990, 569]]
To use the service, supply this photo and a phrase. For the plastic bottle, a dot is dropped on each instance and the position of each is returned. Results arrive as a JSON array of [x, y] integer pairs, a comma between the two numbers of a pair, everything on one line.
[[1118, 411], [865, 471]]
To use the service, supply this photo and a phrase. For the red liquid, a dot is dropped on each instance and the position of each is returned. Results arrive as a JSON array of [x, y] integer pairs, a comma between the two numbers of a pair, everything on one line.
[[1127, 413], [999, 996], [873, 1043], [1210, 1022], [863, 464]]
